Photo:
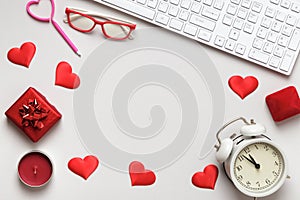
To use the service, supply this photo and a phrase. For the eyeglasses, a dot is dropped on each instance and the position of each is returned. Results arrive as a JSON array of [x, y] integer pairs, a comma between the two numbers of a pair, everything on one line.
[[85, 22]]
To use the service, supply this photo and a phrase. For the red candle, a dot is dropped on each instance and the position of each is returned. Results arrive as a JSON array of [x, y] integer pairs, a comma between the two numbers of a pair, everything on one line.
[[35, 169]]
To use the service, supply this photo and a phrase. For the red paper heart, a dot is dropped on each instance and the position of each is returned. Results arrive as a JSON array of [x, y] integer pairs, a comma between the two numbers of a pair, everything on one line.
[[284, 103], [23, 55], [139, 175], [65, 77], [243, 86], [83, 167], [206, 179]]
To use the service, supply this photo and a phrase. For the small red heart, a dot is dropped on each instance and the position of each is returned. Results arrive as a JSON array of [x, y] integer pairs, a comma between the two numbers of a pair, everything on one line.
[[83, 167], [243, 86], [65, 77], [139, 175], [206, 179], [23, 55]]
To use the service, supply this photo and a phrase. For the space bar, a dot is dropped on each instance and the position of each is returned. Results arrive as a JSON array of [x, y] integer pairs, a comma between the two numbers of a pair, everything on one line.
[[132, 7]]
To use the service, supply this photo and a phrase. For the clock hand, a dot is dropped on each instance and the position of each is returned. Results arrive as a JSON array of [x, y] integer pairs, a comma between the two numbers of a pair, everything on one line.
[[257, 166], [249, 160]]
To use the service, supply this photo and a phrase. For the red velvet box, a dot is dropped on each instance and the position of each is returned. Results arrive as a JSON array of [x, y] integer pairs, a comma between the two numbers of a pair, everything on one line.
[[284, 103], [33, 114]]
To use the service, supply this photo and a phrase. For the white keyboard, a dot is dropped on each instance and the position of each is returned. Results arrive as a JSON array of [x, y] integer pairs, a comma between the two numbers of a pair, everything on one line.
[[265, 32]]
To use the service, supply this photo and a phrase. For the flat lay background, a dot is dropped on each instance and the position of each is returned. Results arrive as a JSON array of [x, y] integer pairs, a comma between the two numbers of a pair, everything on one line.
[[64, 141]]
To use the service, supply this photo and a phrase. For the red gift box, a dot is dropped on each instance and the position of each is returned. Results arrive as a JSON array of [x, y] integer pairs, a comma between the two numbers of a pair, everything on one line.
[[33, 114], [284, 103]]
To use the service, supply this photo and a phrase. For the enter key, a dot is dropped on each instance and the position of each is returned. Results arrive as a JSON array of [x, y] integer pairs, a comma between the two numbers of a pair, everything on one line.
[[295, 40]]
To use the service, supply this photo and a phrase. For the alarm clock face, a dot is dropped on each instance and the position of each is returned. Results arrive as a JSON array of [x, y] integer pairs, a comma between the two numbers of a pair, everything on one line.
[[259, 169]]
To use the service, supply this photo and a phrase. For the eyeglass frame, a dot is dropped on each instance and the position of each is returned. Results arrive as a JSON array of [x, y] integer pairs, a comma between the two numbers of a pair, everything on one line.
[[109, 20]]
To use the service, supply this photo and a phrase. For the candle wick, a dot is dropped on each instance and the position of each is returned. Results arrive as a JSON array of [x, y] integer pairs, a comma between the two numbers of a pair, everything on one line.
[[35, 170]]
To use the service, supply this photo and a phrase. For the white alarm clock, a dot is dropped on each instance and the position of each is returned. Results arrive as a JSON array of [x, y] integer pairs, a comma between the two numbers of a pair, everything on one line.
[[255, 164]]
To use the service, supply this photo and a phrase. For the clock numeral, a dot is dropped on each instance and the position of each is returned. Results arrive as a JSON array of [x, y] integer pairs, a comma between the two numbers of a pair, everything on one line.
[[258, 183], [274, 154], [239, 178], [267, 181], [248, 183], [275, 173], [241, 158], [266, 148], [239, 168], [256, 146], [276, 163], [247, 150]]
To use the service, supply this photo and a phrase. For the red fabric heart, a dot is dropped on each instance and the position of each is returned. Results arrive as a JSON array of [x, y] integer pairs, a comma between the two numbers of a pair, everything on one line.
[[23, 55], [284, 103], [65, 77], [206, 179], [139, 175], [83, 167], [243, 86]]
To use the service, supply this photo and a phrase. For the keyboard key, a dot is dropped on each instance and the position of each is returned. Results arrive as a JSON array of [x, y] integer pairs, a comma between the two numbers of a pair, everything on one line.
[[240, 49], [278, 51], [276, 26], [275, 1], [207, 2], [219, 41], [287, 30], [270, 12], [210, 13], [274, 62], [246, 3], [186, 4], [285, 4], [238, 24], [294, 42], [237, 2], [280, 16], [268, 47], [298, 24], [265, 22], [259, 56], [152, 3], [162, 19], [230, 44], [257, 43], [283, 40], [262, 33], [287, 60], [132, 7], [234, 34], [256, 7], [291, 20], [248, 28], [175, 2], [252, 17], [202, 22], [196, 7], [143, 2], [272, 36], [189, 29], [231, 9], [219, 4], [173, 11], [184, 15], [295, 7], [176, 24], [204, 35], [242, 13], [163, 6], [227, 20]]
